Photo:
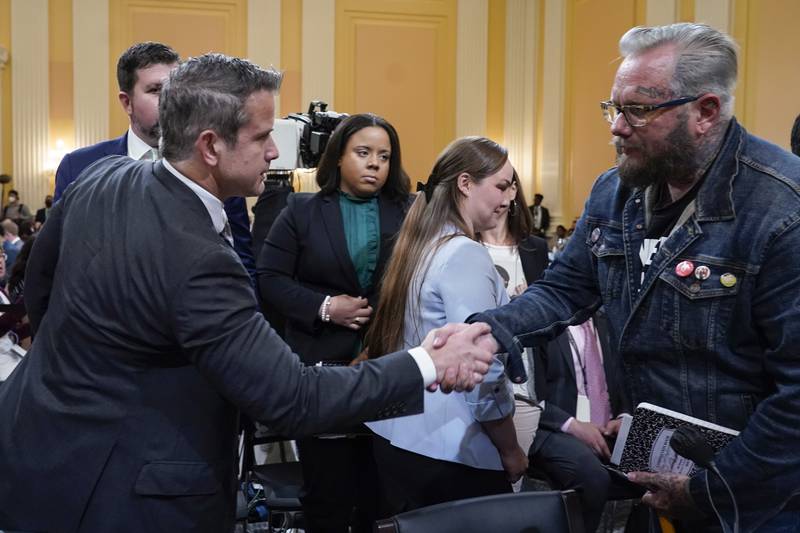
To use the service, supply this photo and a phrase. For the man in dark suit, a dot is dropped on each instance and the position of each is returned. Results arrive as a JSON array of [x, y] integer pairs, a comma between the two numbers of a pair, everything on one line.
[[570, 451], [124, 414], [541, 216], [141, 69], [41, 214]]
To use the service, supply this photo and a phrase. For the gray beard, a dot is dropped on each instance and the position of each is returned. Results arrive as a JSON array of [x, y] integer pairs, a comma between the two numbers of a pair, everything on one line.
[[678, 164]]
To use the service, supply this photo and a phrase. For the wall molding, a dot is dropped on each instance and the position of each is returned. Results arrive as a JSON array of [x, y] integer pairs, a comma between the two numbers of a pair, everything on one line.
[[92, 97], [522, 33], [472, 43], [264, 36], [319, 28], [30, 104]]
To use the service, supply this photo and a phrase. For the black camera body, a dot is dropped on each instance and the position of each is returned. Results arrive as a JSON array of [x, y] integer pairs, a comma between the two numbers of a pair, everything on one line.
[[318, 124]]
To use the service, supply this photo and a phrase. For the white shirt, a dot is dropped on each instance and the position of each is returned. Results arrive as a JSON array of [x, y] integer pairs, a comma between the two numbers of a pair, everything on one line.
[[137, 148]]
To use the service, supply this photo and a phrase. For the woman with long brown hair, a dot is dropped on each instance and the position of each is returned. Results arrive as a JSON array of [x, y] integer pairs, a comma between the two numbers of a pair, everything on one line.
[[461, 445]]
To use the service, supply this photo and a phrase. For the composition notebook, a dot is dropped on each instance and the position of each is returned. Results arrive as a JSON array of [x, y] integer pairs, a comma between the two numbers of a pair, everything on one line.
[[643, 440]]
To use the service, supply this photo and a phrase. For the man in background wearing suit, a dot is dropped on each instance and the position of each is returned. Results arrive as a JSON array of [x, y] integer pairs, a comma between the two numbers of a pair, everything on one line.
[[541, 216], [582, 396], [124, 414], [141, 70]]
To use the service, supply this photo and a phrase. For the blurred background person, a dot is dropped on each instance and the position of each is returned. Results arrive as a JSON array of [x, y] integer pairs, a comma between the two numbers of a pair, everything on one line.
[[15, 210], [320, 267], [462, 443], [12, 244], [541, 216], [41, 214]]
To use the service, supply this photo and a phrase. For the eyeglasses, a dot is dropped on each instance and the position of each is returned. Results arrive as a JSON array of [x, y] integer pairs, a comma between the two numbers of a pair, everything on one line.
[[638, 115]]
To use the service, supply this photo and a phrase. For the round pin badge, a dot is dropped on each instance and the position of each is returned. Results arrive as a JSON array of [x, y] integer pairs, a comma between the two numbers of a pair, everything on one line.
[[728, 280], [595, 235], [684, 268], [702, 272]]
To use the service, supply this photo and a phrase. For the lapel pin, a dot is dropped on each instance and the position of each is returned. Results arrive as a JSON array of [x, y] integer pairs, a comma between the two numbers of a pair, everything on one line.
[[684, 268], [702, 272], [728, 279], [595, 235]]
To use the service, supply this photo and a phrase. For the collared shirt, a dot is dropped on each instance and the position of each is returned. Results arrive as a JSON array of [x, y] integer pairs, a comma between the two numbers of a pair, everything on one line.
[[214, 206], [138, 149]]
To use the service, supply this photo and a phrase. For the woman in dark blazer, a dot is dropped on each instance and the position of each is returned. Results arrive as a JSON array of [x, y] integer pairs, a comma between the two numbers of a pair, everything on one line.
[[521, 259], [320, 267]]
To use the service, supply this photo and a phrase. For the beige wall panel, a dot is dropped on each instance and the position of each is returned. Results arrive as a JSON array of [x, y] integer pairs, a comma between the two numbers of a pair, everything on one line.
[[398, 60], [715, 13], [772, 75], [472, 43], [291, 56], [30, 110], [5, 88], [191, 27], [593, 30], [62, 120], [264, 36]]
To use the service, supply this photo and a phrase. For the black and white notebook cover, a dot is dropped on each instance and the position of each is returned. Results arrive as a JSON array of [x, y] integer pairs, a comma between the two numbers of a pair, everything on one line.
[[643, 440]]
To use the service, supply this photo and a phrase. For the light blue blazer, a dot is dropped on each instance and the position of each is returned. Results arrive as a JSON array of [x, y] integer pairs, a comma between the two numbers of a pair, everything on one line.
[[459, 279]]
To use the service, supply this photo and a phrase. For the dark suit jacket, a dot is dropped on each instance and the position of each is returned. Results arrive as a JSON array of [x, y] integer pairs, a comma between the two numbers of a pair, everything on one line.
[[305, 258], [41, 215], [545, 217], [561, 388], [533, 256], [124, 414], [74, 162]]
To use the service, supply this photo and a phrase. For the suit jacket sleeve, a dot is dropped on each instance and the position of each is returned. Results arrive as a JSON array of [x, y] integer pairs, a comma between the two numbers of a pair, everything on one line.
[[277, 265], [41, 267], [63, 177], [236, 209], [219, 329]]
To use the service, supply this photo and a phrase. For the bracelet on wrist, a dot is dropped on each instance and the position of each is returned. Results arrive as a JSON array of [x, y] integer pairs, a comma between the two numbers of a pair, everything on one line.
[[324, 309]]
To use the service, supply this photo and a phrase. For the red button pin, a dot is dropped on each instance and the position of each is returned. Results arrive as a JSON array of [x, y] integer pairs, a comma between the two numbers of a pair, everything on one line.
[[684, 269]]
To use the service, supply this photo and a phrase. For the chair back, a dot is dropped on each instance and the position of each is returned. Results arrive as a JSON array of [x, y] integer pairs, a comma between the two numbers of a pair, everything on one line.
[[523, 512]]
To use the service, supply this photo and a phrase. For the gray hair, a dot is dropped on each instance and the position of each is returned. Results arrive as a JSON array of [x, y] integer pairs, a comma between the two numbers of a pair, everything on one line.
[[707, 58], [208, 92]]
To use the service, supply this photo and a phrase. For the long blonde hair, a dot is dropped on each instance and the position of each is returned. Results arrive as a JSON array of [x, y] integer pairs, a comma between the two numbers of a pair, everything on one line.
[[419, 236]]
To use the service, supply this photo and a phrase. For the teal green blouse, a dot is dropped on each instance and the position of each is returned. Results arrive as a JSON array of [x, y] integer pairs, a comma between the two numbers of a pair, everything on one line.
[[362, 230]]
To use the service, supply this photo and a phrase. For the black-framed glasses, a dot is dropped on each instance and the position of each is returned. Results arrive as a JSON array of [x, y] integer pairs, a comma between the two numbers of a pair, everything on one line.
[[638, 115]]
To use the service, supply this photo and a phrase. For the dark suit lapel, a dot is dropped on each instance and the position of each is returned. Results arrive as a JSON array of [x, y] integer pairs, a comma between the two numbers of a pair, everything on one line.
[[118, 146], [533, 258], [334, 226]]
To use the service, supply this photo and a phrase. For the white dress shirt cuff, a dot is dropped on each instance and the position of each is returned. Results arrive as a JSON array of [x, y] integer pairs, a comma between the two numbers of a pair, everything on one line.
[[425, 364], [565, 425]]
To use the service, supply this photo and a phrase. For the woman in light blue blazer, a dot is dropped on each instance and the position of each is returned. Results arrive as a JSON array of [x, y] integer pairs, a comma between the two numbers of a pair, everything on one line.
[[464, 444]]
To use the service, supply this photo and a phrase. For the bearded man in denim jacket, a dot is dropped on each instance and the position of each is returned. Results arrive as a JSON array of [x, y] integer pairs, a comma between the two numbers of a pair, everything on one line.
[[692, 244]]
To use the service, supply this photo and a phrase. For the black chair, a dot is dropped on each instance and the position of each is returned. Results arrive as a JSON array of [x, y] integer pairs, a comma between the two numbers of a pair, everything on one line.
[[524, 512], [281, 481]]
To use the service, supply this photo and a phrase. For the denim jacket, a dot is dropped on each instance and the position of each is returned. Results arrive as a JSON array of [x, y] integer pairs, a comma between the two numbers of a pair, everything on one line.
[[725, 348]]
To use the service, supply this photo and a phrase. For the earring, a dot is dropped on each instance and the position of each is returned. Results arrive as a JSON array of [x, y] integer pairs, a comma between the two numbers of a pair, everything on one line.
[[512, 208]]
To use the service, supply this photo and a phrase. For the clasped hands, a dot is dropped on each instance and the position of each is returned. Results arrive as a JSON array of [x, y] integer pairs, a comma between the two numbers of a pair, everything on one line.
[[461, 353]]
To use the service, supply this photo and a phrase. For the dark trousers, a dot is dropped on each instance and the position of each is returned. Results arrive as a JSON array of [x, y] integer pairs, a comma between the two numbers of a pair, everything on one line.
[[410, 481], [570, 464], [340, 484]]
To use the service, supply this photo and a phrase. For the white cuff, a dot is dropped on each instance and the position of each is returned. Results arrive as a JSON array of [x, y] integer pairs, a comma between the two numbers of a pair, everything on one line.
[[425, 364]]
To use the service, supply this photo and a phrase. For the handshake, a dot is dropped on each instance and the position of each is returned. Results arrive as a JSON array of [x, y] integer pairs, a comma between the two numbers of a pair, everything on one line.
[[461, 354]]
